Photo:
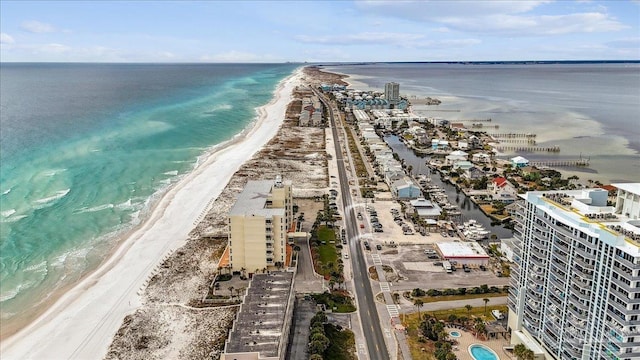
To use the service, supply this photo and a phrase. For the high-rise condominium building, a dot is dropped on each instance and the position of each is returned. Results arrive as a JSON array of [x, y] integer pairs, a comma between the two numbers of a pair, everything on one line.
[[392, 92], [258, 224], [575, 284]]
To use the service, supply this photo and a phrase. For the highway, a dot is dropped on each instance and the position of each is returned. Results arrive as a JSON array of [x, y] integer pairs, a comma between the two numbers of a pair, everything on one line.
[[370, 321]]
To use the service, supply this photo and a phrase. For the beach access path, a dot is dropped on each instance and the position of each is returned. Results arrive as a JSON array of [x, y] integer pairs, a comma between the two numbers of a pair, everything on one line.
[[82, 323]]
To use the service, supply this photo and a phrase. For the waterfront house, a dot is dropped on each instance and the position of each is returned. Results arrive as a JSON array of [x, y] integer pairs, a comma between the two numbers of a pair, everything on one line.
[[519, 162], [481, 158], [405, 188], [501, 189], [462, 165], [456, 156], [473, 173]]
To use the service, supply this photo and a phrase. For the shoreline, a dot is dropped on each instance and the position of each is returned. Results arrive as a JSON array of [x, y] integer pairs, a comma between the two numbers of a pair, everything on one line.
[[84, 318]]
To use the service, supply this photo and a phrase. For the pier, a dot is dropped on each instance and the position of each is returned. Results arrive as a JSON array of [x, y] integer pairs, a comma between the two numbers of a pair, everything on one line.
[[473, 120], [554, 149], [529, 141], [511, 135], [560, 163]]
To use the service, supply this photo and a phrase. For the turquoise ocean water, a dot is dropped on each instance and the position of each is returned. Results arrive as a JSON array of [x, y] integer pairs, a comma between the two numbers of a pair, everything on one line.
[[85, 149]]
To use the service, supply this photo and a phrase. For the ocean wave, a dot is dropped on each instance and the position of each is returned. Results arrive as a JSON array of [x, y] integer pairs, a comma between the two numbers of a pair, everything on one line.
[[8, 213], [12, 293], [47, 201], [78, 254], [52, 172], [13, 218], [218, 108], [41, 267], [95, 208], [6, 191], [171, 173]]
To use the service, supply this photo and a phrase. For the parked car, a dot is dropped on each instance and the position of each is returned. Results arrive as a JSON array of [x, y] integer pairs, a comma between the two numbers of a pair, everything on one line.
[[483, 268], [379, 247]]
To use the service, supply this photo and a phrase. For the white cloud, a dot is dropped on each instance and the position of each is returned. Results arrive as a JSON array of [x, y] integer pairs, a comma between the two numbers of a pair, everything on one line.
[[6, 39], [362, 38], [37, 27], [404, 40], [512, 18], [232, 56]]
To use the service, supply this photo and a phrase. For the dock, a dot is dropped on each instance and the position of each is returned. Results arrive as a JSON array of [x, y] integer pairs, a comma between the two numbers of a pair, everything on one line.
[[561, 163], [554, 149], [511, 135]]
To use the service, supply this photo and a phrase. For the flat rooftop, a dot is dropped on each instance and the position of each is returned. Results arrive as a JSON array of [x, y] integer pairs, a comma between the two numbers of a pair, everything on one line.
[[253, 200], [461, 250], [260, 322]]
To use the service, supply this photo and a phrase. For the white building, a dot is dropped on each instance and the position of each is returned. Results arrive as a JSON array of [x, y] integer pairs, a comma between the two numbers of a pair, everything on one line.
[[470, 253], [575, 281]]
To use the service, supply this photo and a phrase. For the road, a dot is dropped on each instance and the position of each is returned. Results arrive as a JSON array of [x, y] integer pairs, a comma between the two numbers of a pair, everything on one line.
[[376, 347]]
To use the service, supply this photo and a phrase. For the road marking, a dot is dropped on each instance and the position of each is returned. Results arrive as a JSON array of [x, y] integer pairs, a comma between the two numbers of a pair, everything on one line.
[[384, 286], [387, 332], [376, 259], [393, 310]]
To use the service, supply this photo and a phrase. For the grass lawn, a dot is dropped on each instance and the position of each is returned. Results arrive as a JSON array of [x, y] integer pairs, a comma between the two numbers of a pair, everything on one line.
[[430, 299]]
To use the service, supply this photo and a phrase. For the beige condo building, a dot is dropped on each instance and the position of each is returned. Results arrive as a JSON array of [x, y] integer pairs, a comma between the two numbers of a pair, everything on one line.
[[258, 225]]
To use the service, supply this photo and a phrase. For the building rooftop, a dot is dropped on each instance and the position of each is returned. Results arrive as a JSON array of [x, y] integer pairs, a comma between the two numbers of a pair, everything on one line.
[[461, 250], [260, 322], [633, 188], [253, 200]]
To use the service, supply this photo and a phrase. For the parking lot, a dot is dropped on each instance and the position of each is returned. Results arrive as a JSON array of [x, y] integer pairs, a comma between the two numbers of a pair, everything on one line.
[[413, 256]]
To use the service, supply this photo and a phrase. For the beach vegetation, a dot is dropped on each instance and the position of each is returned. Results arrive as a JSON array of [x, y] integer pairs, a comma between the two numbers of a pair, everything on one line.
[[337, 300], [328, 341]]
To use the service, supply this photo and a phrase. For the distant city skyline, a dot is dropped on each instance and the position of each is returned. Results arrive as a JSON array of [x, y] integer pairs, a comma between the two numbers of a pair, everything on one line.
[[318, 31]]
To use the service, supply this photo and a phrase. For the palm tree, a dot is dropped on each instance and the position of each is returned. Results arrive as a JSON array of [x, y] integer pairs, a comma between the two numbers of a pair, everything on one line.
[[468, 307], [231, 292], [485, 305], [418, 303]]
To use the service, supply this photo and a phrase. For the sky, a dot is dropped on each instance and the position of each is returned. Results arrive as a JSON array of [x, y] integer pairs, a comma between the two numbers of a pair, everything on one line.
[[318, 31]]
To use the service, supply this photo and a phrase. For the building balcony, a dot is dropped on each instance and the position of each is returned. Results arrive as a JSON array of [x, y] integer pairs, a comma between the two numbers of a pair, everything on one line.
[[580, 315], [584, 253], [538, 252], [627, 263], [574, 301], [580, 270], [560, 250], [579, 294], [537, 262], [623, 285], [585, 265]]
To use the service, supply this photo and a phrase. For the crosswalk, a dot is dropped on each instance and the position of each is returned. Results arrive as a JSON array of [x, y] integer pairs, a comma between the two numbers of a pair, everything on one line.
[[384, 286], [393, 310], [376, 259]]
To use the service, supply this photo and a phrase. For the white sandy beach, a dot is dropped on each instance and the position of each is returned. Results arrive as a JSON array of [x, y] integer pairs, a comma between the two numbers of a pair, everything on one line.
[[81, 324]]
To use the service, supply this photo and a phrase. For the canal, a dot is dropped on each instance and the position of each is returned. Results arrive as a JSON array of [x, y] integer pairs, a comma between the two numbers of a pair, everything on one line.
[[467, 207]]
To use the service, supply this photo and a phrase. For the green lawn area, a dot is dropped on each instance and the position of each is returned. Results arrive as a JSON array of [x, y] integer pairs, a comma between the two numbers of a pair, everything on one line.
[[430, 299]]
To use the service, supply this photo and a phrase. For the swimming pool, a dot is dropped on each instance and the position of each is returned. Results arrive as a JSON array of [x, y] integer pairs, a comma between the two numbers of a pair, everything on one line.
[[455, 334], [481, 352]]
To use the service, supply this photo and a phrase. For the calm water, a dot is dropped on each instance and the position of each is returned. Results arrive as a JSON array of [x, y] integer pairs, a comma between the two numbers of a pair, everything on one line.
[[86, 148], [589, 110]]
